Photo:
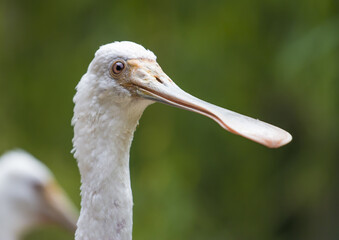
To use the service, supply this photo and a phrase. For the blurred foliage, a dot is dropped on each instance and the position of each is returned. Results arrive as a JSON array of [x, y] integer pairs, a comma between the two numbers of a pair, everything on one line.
[[276, 60]]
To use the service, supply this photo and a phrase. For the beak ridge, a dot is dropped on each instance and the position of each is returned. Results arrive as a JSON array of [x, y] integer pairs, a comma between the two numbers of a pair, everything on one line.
[[163, 89], [58, 207]]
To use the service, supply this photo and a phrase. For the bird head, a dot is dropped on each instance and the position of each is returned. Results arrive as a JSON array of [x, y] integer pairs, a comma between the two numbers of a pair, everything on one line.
[[30, 196], [127, 73]]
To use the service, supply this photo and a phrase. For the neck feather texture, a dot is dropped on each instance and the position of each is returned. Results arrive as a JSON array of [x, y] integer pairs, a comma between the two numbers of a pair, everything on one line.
[[103, 133]]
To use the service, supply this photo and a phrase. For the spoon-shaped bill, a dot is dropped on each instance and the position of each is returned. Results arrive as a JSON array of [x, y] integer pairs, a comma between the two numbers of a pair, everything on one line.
[[253, 129], [57, 207]]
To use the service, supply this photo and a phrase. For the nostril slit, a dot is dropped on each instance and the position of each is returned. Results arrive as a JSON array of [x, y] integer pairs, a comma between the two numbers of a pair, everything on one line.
[[158, 79]]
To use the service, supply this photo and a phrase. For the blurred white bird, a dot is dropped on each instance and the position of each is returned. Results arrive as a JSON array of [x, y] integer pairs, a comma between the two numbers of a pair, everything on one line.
[[30, 196], [121, 81]]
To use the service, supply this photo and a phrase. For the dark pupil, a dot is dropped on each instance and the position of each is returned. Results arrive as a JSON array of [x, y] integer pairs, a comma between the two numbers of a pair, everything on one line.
[[119, 66]]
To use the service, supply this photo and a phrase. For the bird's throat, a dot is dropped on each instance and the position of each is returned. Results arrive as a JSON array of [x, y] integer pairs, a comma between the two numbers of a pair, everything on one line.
[[102, 143]]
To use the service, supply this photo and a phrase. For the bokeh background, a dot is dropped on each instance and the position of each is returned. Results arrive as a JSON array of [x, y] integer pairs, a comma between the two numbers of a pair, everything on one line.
[[274, 60]]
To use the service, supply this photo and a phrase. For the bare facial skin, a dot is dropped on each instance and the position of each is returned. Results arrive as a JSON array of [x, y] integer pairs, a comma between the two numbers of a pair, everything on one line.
[[146, 79]]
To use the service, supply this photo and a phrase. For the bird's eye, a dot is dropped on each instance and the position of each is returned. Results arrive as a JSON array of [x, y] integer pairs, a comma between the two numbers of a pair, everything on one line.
[[117, 67]]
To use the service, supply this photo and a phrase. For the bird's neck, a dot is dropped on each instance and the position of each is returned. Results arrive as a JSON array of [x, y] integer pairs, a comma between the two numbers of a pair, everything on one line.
[[13, 222], [102, 140], [9, 234]]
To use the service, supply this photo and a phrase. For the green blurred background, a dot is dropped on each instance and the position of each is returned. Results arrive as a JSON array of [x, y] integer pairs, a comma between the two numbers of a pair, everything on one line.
[[274, 60]]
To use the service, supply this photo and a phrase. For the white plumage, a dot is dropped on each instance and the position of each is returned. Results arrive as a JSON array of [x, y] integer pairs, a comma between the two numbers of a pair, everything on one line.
[[121, 81], [29, 196]]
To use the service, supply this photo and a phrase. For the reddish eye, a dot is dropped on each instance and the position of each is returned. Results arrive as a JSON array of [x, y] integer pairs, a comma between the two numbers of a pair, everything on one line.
[[117, 67]]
